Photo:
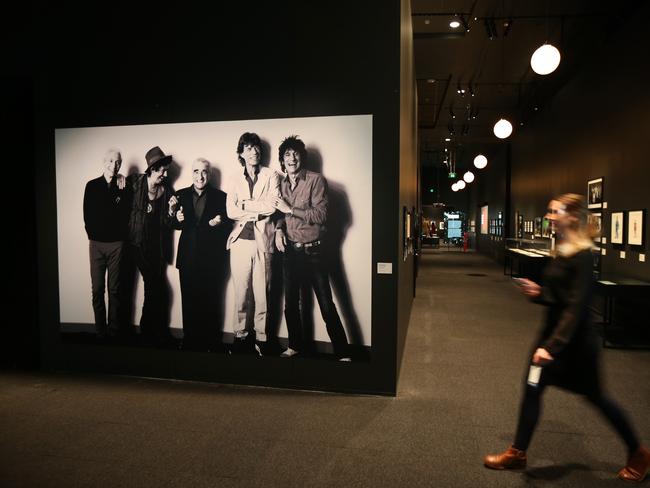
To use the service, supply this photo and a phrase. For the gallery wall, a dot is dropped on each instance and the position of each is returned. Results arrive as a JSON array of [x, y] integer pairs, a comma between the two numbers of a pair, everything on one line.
[[225, 63], [408, 178], [596, 126]]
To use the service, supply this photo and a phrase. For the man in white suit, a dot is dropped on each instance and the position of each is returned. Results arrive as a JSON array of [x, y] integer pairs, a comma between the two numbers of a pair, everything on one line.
[[250, 203]]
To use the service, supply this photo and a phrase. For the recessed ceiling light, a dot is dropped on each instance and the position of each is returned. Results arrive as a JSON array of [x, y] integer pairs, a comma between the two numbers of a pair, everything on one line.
[[454, 24], [427, 21], [447, 139], [431, 80]]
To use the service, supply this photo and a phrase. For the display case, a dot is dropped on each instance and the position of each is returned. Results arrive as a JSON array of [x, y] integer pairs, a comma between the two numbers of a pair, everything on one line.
[[529, 247], [526, 257]]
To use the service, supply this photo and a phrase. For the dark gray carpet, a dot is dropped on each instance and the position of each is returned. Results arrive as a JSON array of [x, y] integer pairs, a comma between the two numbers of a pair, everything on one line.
[[458, 399]]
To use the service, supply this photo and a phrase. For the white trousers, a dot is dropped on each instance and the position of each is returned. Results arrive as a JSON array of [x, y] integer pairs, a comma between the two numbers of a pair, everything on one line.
[[250, 267]]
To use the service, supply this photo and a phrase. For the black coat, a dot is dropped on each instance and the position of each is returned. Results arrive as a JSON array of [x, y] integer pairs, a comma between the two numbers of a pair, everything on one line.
[[201, 244], [138, 191], [568, 333]]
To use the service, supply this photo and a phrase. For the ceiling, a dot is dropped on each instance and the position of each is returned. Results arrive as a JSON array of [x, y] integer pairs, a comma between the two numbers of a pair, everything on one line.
[[496, 69]]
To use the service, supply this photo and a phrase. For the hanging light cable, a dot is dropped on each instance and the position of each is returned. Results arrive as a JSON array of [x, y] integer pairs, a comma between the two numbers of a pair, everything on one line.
[[546, 58]]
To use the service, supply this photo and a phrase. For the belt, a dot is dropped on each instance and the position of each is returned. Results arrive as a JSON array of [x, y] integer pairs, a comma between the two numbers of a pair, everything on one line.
[[307, 245]]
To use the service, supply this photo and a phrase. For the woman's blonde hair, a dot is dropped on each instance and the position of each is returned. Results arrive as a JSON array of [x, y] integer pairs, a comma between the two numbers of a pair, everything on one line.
[[584, 227]]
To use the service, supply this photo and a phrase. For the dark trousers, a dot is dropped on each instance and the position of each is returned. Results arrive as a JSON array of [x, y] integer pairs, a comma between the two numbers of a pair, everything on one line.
[[201, 292], [154, 321], [303, 269], [531, 407], [105, 257]]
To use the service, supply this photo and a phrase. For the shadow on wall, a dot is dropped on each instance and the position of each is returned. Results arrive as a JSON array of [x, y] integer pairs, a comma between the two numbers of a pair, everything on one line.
[[339, 220]]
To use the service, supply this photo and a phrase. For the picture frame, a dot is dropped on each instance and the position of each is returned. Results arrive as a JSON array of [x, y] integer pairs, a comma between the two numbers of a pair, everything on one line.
[[596, 218], [635, 229], [538, 227], [595, 191], [617, 228]]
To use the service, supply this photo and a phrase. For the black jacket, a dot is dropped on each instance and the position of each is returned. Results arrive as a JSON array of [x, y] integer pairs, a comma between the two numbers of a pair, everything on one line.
[[567, 291], [137, 185], [201, 244], [568, 333]]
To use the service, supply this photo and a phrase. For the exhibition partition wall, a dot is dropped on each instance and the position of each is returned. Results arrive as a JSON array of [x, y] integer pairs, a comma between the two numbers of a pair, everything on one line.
[[190, 91]]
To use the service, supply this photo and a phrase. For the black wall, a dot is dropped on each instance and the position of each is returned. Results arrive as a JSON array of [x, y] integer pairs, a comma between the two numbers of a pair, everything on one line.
[[255, 60], [597, 125], [408, 177]]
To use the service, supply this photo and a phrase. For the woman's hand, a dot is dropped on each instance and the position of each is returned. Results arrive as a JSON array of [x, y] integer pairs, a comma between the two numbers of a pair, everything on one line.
[[530, 288], [542, 357]]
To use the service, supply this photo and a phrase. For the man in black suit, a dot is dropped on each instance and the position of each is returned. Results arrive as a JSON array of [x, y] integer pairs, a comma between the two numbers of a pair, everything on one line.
[[200, 215]]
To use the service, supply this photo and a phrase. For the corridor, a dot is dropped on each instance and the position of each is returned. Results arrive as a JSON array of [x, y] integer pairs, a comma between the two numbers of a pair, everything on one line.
[[460, 381]]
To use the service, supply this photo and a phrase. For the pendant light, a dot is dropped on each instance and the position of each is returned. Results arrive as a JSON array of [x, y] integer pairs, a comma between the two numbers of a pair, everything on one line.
[[502, 129], [460, 184], [454, 187], [480, 161], [545, 59], [468, 177]]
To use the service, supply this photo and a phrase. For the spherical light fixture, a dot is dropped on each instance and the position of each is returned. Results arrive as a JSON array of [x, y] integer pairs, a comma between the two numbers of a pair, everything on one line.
[[480, 161], [502, 129], [454, 187], [460, 184], [545, 59], [468, 177]]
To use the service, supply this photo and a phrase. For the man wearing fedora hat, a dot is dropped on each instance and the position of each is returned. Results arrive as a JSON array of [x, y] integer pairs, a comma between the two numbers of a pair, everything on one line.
[[150, 242]]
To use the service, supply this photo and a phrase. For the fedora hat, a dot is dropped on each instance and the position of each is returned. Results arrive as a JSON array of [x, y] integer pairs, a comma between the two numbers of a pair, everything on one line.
[[156, 156]]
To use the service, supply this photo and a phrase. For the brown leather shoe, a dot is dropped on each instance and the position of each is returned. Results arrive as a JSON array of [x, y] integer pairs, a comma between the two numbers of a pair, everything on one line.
[[510, 459], [637, 465]]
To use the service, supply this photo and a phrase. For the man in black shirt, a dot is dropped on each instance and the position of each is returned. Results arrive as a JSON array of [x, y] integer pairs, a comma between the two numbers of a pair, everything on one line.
[[106, 214]]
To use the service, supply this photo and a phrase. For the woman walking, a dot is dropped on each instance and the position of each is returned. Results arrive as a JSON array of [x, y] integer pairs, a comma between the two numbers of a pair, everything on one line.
[[567, 351]]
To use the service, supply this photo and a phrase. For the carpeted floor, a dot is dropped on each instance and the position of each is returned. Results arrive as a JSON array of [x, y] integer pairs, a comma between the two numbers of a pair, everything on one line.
[[458, 397]]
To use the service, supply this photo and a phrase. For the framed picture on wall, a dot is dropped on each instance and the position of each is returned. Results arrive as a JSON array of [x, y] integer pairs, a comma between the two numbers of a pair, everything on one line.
[[635, 227], [596, 219], [616, 230], [520, 226], [595, 193], [538, 227]]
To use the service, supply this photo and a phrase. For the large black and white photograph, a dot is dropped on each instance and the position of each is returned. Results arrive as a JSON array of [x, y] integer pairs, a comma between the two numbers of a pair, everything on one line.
[[239, 237], [595, 193]]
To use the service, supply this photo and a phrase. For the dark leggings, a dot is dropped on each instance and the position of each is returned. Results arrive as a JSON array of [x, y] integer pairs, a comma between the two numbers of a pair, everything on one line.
[[531, 406]]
